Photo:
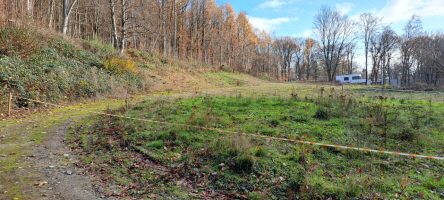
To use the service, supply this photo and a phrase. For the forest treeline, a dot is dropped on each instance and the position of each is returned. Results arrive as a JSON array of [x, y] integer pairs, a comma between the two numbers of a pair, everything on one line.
[[213, 34]]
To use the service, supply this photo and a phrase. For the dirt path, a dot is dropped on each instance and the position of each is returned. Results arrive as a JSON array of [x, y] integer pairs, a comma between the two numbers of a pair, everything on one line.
[[35, 163], [41, 170], [53, 159]]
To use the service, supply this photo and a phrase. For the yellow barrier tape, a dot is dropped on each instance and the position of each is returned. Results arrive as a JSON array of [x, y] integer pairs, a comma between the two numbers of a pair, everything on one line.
[[249, 134]]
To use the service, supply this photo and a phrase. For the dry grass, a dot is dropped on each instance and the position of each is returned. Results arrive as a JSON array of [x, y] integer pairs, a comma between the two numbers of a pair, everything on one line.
[[189, 79]]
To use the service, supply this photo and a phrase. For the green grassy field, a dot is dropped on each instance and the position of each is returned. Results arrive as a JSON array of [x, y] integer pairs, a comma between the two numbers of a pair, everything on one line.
[[140, 159]]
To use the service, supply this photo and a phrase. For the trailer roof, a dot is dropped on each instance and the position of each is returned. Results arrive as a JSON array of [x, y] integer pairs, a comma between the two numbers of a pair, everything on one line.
[[350, 75]]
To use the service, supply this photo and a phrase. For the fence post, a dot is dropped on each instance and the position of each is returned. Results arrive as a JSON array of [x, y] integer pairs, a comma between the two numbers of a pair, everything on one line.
[[126, 100], [9, 104]]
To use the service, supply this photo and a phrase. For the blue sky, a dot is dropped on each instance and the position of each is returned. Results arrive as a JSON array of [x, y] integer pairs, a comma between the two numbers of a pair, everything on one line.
[[295, 17]]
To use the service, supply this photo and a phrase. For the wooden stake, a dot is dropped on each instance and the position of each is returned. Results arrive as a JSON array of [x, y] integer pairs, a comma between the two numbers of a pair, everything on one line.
[[9, 104], [126, 100]]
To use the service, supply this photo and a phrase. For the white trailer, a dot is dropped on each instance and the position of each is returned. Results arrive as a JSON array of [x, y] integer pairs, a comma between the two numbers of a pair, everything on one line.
[[351, 78]]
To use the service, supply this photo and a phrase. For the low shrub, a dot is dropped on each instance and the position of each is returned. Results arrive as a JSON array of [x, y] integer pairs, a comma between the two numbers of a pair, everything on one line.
[[99, 48], [407, 134], [260, 152], [158, 144], [18, 41], [226, 68], [120, 66], [63, 47], [321, 113], [243, 163]]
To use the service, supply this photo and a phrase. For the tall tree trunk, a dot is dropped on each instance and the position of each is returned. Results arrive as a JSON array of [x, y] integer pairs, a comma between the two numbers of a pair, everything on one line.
[[123, 21], [388, 69], [220, 55], [114, 23], [204, 45], [175, 29], [66, 13], [366, 62], [307, 68], [164, 28], [288, 73], [51, 13], [229, 54], [29, 9]]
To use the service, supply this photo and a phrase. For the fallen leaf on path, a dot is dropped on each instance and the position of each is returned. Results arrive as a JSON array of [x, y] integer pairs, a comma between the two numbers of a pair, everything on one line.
[[41, 183]]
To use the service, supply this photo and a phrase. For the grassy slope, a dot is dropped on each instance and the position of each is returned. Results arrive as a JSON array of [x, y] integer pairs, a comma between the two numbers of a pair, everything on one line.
[[253, 168], [52, 68]]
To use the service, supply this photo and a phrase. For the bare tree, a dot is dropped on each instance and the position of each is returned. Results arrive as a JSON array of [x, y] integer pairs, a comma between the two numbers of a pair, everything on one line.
[[123, 21], [334, 31], [382, 47], [368, 26], [164, 27], [299, 58], [412, 30], [349, 57], [389, 43], [175, 28], [285, 49], [51, 13], [112, 4], [429, 56], [376, 54], [29, 8], [67, 8]]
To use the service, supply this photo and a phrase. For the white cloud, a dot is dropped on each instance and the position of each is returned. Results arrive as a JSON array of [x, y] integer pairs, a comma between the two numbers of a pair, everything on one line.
[[398, 10], [344, 8], [268, 25], [309, 33], [272, 4], [268, 4]]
